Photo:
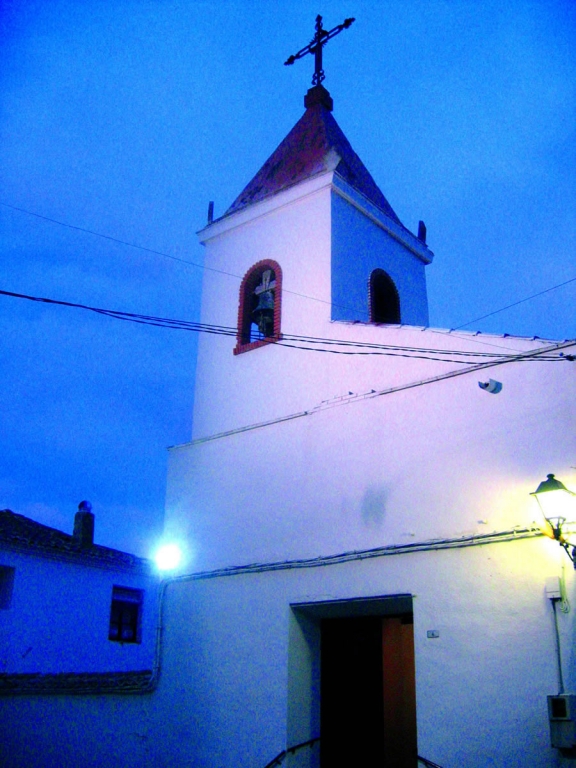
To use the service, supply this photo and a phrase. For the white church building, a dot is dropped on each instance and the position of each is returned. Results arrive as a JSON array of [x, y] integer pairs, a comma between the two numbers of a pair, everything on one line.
[[363, 573], [393, 595]]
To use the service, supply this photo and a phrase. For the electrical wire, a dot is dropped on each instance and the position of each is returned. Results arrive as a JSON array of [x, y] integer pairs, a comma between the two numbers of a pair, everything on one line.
[[114, 239], [159, 253], [515, 304], [239, 277], [514, 534], [413, 356], [352, 398], [564, 602], [558, 650], [372, 345], [285, 339]]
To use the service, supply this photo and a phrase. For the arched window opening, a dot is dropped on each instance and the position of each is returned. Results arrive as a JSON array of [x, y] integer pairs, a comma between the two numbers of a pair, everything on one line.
[[384, 299], [259, 309]]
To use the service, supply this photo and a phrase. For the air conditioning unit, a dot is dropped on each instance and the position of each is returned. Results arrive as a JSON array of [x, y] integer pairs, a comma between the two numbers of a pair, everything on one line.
[[562, 715]]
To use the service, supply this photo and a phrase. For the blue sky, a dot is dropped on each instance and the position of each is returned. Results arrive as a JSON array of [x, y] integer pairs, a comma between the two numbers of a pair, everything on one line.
[[126, 118]]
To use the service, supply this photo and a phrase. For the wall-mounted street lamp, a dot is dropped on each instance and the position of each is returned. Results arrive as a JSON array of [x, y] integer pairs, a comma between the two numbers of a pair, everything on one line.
[[556, 503]]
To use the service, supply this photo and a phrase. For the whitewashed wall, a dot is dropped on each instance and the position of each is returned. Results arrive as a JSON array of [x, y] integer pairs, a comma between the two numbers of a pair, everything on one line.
[[307, 230], [426, 462], [297, 236], [351, 472], [59, 618], [229, 691], [481, 686]]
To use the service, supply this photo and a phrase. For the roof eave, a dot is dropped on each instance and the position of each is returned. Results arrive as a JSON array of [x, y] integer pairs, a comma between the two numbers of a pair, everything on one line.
[[394, 228], [286, 196]]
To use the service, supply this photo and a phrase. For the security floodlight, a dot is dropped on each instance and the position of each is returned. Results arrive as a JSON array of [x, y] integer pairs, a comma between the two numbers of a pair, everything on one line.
[[168, 557]]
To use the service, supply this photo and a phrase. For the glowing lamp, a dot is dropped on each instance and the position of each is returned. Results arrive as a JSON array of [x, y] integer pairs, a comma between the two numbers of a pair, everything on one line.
[[168, 557], [556, 503]]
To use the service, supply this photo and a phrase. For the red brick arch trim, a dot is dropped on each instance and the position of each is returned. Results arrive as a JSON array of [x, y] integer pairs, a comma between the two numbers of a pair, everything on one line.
[[249, 283]]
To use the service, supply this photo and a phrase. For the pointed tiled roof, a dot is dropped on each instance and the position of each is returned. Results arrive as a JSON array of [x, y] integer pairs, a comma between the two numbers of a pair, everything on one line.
[[316, 144]]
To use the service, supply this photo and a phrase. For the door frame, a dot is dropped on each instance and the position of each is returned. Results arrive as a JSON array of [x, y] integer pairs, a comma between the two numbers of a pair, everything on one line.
[[303, 721]]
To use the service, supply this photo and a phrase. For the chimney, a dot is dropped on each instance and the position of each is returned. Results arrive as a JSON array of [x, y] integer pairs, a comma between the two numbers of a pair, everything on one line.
[[83, 535], [422, 231]]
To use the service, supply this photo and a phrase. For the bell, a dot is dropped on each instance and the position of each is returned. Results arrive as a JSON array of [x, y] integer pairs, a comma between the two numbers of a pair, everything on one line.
[[263, 315]]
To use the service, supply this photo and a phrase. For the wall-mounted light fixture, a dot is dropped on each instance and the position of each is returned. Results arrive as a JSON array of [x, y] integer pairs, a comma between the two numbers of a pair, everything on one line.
[[168, 557], [556, 503]]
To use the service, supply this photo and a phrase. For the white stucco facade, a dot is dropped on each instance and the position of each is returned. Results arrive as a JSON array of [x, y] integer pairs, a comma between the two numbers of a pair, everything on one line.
[[239, 679], [481, 684], [59, 617], [303, 229], [300, 455], [364, 471], [323, 451], [362, 239]]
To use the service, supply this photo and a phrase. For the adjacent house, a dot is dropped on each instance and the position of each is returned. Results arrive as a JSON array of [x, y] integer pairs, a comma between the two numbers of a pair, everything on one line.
[[75, 617]]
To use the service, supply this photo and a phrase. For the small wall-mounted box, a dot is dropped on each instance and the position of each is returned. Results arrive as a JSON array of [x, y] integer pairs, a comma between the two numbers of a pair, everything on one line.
[[562, 715], [553, 588]]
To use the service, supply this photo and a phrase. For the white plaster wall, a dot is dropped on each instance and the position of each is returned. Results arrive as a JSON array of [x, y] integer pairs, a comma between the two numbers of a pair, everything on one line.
[[442, 460], [323, 243], [223, 696], [297, 236], [426, 462], [481, 686], [304, 232], [59, 618]]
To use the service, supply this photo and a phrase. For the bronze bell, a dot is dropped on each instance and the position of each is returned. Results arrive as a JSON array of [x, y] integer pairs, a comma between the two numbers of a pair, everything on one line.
[[263, 314]]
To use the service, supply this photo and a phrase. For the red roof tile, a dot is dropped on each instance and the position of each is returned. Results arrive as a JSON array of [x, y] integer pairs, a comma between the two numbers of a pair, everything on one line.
[[315, 144], [23, 534]]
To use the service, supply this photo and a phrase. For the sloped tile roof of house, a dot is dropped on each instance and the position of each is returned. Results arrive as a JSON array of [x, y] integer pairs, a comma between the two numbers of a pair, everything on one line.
[[20, 533], [315, 144]]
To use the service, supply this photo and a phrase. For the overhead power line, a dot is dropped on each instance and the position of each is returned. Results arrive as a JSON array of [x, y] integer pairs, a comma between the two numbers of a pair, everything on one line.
[[239, 277], [353, 398], [515, 304], [114, 239], [159, 253], [294, 340]]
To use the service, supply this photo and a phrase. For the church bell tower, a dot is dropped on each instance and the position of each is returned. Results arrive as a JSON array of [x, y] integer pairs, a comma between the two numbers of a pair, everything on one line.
[[309, 243]]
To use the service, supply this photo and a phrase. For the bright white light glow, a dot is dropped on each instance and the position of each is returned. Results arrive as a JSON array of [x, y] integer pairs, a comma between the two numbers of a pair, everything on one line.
[[168, 557]]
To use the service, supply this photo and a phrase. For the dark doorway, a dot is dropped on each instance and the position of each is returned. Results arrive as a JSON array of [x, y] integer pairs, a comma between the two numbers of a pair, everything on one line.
[[368, 702]]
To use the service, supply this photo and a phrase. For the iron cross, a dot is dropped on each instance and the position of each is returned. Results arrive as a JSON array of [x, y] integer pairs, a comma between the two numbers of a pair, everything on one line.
[[318, 42]]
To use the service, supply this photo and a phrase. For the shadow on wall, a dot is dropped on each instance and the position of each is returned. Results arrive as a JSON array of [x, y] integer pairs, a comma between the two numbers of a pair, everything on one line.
[[373, 507]]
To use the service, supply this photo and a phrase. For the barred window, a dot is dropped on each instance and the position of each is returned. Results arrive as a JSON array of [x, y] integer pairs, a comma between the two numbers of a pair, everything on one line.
[[6, 585], [126, 615]]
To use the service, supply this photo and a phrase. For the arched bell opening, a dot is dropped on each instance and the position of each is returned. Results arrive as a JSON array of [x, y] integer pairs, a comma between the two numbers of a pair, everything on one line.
[[383, 298], [259, 308]]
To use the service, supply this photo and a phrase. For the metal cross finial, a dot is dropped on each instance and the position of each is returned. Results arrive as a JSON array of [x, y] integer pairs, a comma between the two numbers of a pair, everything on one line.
[[315, 46]]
